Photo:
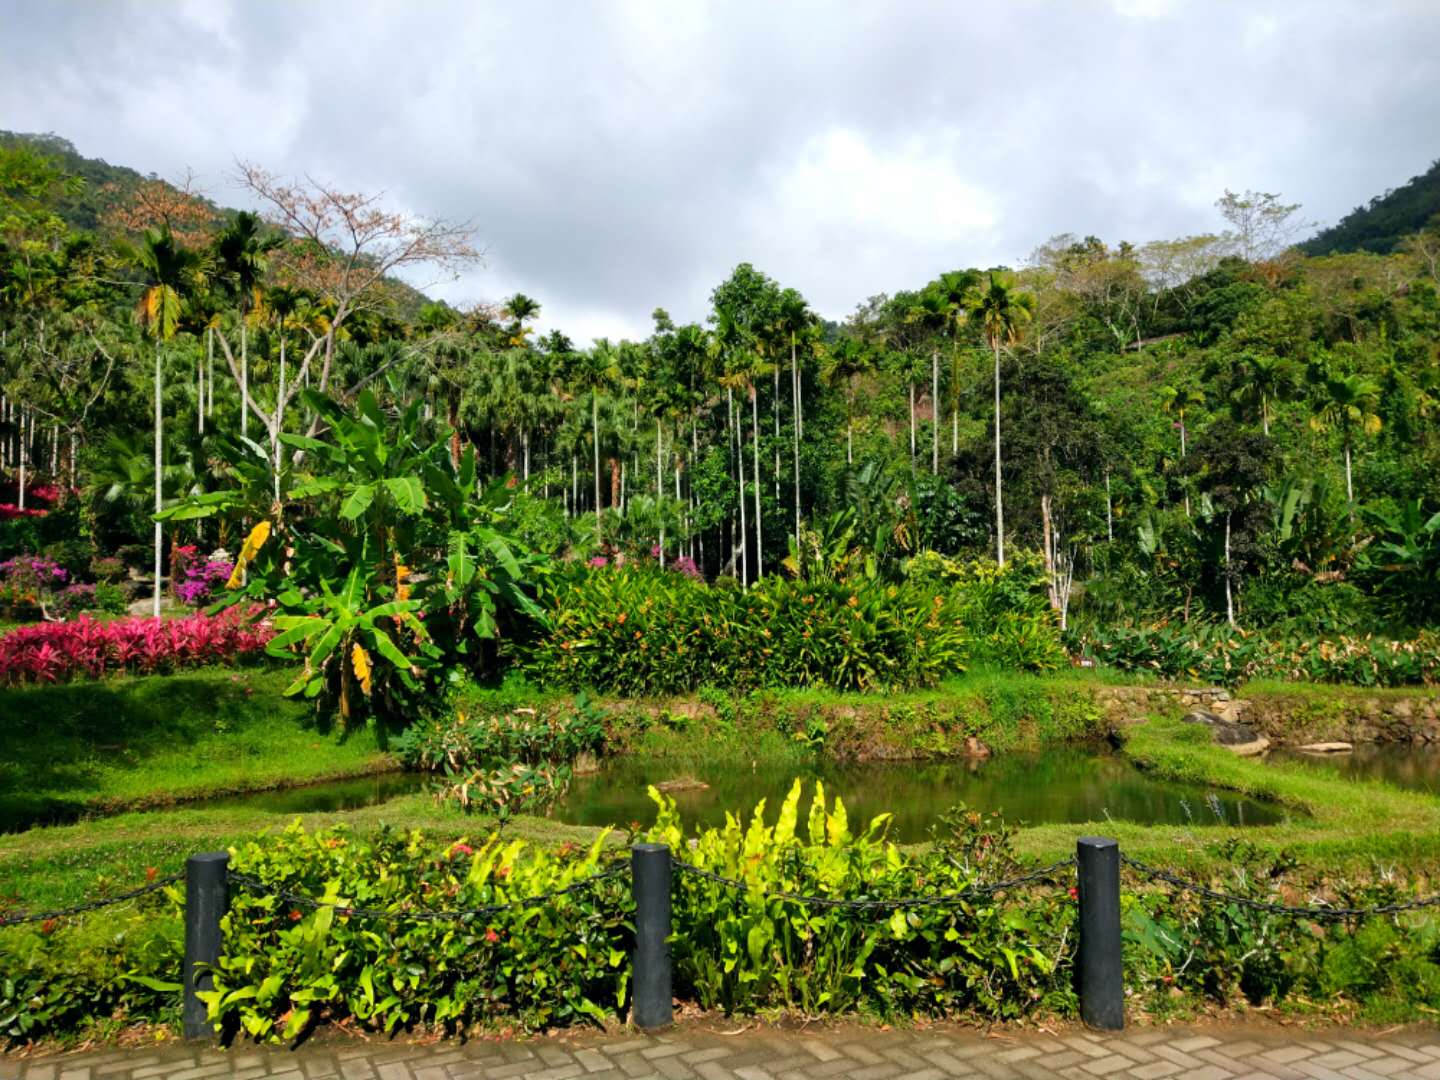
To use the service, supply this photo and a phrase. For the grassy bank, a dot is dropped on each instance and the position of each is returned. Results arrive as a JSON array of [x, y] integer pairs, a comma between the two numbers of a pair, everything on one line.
[[1338, 825], [90, 747]]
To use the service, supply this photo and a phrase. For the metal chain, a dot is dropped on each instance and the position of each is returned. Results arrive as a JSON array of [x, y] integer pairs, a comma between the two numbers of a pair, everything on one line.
[[1045, 873], [1155, 874], [90, 905], [257, 886]]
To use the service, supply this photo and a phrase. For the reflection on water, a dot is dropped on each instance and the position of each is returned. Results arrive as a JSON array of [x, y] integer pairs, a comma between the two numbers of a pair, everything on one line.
[[329, 796], [1408, 765], [1067, 784]]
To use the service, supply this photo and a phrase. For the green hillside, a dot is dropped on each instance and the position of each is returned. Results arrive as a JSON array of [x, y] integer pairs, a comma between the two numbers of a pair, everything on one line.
[[1380, 224]]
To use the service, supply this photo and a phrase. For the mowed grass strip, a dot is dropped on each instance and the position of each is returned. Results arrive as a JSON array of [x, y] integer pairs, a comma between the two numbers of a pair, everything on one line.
[[126, 743]]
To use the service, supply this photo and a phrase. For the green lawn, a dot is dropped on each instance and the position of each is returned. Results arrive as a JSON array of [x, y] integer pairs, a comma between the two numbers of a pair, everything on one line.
[[88, 747]]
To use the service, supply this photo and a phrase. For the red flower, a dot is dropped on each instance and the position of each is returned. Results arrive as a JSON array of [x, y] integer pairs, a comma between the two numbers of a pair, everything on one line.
[[1074, 892], [462, 849], [295, 916], [491, 936], [151, 873]]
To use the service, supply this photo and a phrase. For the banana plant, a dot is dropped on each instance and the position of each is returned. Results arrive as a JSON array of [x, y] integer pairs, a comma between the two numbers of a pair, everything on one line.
[[388, 572]]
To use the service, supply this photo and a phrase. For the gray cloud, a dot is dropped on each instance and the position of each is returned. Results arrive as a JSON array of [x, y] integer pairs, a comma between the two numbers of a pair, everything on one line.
[[616, 156]]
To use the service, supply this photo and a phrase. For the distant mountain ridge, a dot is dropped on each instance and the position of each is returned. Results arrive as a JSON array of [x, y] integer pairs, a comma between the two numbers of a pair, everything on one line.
[[107, 185], [1379, 225]]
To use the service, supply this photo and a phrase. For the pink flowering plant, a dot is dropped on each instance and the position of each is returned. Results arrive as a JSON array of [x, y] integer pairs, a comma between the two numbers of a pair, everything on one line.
[[87, 649]]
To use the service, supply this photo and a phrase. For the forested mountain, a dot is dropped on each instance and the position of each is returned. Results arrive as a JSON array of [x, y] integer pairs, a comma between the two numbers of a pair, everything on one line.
[[1385, 220], [1208, 428], [104, 195]]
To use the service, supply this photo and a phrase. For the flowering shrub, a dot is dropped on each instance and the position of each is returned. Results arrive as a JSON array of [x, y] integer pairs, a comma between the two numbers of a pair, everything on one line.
[[196, 581], [58, 652], [107, 568], [28, 582], [9, 511]]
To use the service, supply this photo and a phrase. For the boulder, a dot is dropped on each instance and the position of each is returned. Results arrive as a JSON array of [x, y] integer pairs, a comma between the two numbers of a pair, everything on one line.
[[1237, 738], [976, 749], [682, 783], [1326, 748]]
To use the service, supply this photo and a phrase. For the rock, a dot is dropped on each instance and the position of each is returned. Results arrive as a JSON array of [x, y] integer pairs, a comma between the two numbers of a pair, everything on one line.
[[1249, 749], [976, 749], [682, 783], [1326, 748], [1239, 738], [585, 764]]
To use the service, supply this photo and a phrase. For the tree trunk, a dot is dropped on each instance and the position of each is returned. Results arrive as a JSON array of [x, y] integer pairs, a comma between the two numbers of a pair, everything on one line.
[[999, 504], [1048, 540], [795, 426], [244, 378], [1229, 599], [158, 504], [595, 435], [1109, 516], [935, 411], [740, 474], [912, 424], [200, 394], [775, 416], [659, 479], [209, 403], [1349, 483], [279, 414], [755, 445]]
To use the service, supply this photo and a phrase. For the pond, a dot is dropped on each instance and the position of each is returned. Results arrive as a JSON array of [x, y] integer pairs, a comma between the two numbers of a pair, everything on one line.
[[1409, 765], [1064, 785]]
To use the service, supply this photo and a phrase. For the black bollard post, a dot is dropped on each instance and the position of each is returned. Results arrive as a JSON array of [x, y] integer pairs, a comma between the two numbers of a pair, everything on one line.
[[1100, 975], [650, 879], [207, 898]]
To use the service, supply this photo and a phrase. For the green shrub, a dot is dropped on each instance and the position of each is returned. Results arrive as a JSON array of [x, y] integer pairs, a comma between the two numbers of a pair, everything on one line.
[[639, 630], [90, 977], [1221, 654], [557, 961], [461, 742], [745, 951]]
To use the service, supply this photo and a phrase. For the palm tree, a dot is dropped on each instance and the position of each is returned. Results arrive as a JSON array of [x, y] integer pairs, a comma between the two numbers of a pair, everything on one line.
[[930, 311], [521, 309], [850, 358], [1265, 378], [169, 269], [596, 372], [793, 318], [1348, 402], [1180, 402], [957, 293], [1003, 313], [242, 250], [284, 303]]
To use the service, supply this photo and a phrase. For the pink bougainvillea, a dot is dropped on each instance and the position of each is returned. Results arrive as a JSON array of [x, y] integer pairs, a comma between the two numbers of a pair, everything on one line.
[[86, 649]]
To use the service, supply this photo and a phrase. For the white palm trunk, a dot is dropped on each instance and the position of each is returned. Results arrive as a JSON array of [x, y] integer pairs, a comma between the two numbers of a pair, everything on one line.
[[935, 411], [755, 444], [158, 506], [999, 504]]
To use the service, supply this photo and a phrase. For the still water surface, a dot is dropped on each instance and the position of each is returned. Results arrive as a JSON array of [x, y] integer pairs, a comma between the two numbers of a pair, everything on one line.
[[1409, 765], [1065, 785]]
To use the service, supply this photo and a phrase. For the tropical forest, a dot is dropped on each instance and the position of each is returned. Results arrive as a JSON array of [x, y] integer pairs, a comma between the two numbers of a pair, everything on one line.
[[412, 606]]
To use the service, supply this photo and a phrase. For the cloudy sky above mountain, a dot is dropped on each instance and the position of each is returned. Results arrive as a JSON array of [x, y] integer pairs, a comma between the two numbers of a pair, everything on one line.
[[615, 156]]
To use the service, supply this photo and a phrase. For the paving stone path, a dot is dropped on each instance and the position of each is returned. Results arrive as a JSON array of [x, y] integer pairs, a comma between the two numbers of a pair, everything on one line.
[[848, 1053]]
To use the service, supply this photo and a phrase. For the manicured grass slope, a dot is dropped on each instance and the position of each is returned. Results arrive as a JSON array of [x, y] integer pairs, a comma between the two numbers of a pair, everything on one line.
[[1337, 825], [139, 742]]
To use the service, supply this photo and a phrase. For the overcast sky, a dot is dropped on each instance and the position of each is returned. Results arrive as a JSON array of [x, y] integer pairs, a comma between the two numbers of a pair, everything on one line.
[[617, 156]]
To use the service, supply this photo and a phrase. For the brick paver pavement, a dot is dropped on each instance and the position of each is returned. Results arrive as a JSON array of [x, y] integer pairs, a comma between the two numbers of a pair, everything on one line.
[[708, 1052]]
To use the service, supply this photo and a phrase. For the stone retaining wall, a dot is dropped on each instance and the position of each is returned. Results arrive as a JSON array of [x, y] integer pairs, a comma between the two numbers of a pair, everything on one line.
[[1334, 714]]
